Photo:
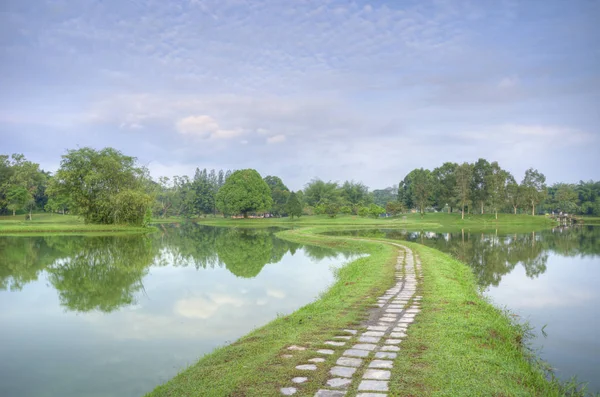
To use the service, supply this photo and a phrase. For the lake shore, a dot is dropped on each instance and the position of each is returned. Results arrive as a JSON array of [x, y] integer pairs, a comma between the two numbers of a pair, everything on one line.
[[460, 344]]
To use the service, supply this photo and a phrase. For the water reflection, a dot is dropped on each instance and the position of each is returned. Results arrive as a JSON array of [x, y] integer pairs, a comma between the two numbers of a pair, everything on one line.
[[493, 255], [105, 272]]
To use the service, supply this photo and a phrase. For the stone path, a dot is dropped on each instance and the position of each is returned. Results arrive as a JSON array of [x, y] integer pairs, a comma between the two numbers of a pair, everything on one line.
[[367, 357]]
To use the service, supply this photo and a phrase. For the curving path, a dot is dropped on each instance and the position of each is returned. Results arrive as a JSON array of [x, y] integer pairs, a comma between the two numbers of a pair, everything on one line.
[[367, 357]]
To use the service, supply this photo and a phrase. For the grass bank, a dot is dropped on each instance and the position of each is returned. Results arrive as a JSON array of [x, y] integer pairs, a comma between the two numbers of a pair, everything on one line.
[[57, 224], [460, 345], [430, 221]]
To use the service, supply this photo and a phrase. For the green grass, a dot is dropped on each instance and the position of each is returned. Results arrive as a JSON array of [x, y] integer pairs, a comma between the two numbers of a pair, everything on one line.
[[460, 345], [56, 224], [430, 221]]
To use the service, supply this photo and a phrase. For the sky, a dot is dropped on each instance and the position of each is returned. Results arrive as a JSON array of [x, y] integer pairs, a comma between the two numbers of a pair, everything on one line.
[[340, 90]]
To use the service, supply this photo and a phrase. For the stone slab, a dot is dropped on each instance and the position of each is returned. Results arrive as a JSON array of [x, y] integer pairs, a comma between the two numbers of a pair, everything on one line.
[[369, 339], [288, 391], [294, 347], [373, 385], [334, 343], [390, 348], [330, 393], [349, 362], [364, 346], [317, 360], [325, 351], [381, 364], [398, 335], [299, 379], [307, 367], [374, 333], [371, 395], [393, 341], [351, 331], [339, 382], [344, 372], [356, 353], [377, 374], [386, 355]]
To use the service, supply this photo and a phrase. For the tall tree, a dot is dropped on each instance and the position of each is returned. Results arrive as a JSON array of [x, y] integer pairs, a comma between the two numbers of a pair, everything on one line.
[[534, 188], [479, 187], [514, 193], [243, 192], [317, 192], [293, 207], [279, 194], [496, 182], [355, 194], [462, 190], [382, 197], [444, 182]]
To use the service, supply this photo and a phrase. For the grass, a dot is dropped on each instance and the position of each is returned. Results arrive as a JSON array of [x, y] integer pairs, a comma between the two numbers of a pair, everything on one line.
[[430, 221], [55, 224], [460, 345]]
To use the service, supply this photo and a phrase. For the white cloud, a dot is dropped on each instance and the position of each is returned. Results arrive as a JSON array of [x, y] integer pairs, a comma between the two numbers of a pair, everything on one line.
[[205, 127], [508, 82], [276, 139]]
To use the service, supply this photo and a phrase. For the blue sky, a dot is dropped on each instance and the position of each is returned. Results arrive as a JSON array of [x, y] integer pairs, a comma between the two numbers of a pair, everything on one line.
[[363, 90]]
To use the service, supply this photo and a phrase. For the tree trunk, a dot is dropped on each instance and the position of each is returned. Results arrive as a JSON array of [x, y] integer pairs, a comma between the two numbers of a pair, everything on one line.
[[449, 209], [14, 212], [482, 208], [532, 208], [496, 214], [30, 218], [463, 213], [515, 207]]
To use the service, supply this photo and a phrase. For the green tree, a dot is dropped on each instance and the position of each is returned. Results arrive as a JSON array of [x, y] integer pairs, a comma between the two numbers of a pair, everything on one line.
[[422, 188], [318, 192], [355, 194], [17, 197], [95, 180], [382, 197], [496, 182], [243, 192], [534, 188], [565, 197], [394, 208], [279, 194], [375, 210], [514, 193], [293, 207], [479, 182], [444, 178], [462, 189]]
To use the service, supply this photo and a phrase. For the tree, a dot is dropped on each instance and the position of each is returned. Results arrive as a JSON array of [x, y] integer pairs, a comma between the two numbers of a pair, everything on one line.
[[423, 188], [462, 189], [514, 193], [382, 197], [96, 180], [394, 208], [496, 182], [243, 192], [375, 210], [279, 194], [444, 178], [318, 192], [534, 188], [479, 186], [355, 194], [293, 207], [17, 197], [565, 197]]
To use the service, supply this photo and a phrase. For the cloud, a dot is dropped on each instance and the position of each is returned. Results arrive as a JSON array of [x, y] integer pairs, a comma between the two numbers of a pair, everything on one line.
[[205, 127], [205, 307], [276, 139]]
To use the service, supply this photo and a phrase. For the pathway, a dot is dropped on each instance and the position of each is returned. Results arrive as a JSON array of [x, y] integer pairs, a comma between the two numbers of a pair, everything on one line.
[[367, 357]]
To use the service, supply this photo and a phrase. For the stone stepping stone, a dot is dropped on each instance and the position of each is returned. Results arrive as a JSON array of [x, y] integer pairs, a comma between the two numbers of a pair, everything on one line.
[[299, 379], [369, 339], [381, 364], [385, 355], [388, 319], [365, 346], [325, 351], [334, 343], [390, 348], [317, 360], [346, 337], [374, 385], [349, 362], [356, 353], [378, 328], [286, 356], [339, 382], [393, 341], [374, 333], [377, 374], [330, 393], [351, 331], [288, 391], [307, 367], [398, 335], [393, 310], [344, 372], [371, 395], [406, 320], [294, 347]]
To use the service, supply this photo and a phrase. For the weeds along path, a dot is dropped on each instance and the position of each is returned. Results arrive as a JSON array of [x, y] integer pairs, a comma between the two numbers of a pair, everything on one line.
[[365, 356]]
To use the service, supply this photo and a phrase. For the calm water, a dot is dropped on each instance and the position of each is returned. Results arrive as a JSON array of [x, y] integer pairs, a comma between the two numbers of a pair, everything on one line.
[[118, 315], [550, 278]]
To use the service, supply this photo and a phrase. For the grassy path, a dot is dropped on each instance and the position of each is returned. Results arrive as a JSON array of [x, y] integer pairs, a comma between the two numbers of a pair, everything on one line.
[[459, 345]]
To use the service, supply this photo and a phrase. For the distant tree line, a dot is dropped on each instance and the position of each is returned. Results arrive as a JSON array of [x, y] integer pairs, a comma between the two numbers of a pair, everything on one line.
[[105, 186]]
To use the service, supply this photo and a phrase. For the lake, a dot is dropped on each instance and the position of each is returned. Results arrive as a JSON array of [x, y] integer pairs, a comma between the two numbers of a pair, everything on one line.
[[118, 315], [550, 278]]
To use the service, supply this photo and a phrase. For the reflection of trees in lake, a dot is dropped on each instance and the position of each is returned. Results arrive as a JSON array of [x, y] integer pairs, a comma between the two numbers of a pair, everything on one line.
[[103, 273], [492, 256]]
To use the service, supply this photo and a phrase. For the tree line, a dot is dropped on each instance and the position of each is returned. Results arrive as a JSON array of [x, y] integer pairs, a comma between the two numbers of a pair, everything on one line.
[[107, 187]]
